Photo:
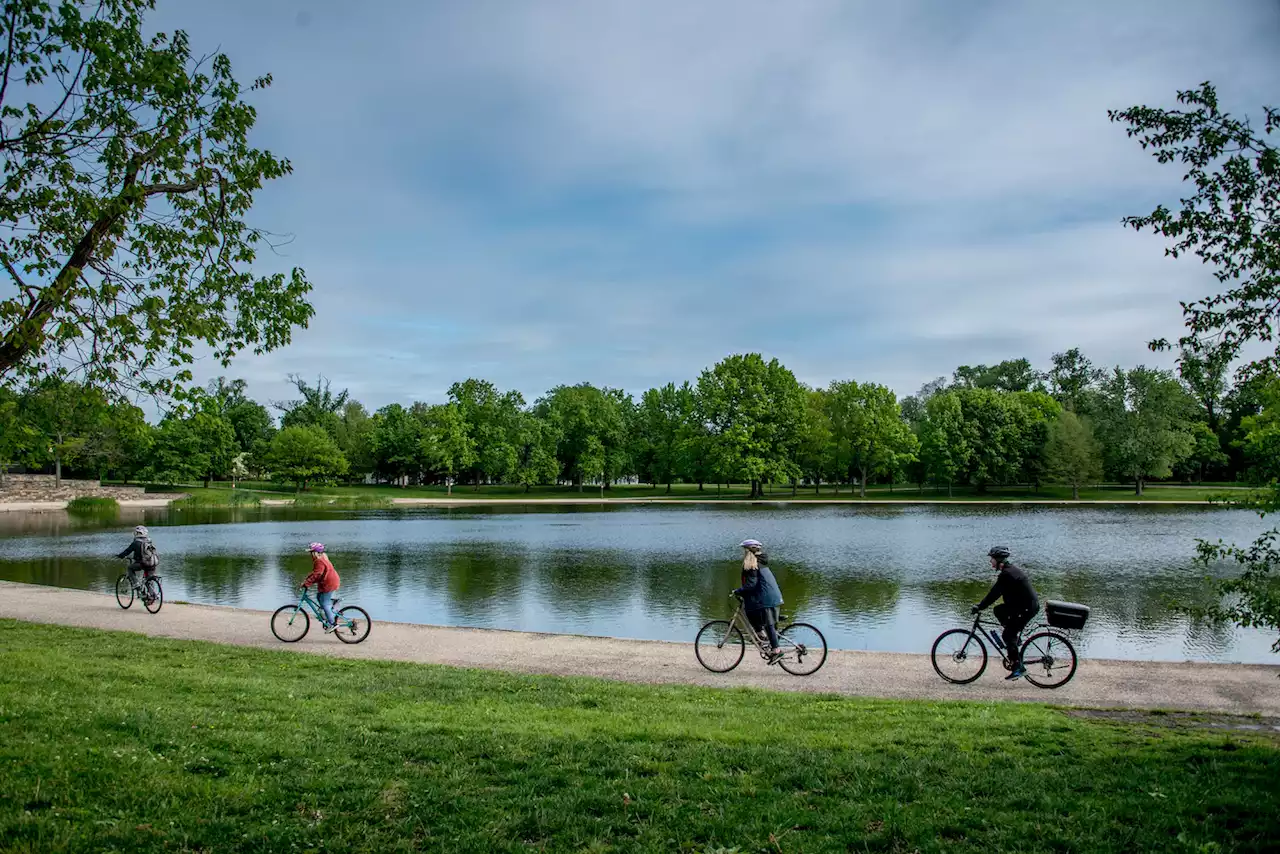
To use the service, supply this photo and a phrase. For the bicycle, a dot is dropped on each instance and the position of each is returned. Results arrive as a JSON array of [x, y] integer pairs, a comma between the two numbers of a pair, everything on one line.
[[152, 592], [720, 645], [1048, 656], [352, 624]]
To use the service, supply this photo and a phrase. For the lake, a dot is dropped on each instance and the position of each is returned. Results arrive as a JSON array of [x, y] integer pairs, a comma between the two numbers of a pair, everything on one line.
[[871, 577]]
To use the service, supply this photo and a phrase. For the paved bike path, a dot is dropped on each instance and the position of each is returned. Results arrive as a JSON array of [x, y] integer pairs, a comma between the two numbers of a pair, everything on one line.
[[1232, 688]]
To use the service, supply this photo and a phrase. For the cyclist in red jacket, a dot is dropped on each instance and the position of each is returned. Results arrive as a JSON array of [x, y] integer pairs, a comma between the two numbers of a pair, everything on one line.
[[326, 580]]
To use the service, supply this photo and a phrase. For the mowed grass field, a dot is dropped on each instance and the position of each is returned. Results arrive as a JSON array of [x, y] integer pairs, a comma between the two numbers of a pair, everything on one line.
[[117, 742]]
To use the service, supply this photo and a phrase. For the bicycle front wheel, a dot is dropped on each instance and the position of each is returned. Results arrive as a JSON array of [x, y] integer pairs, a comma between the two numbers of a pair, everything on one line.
[[959, 656], [719, 646], [804, 649], [152, 595], [1050, 660], [124, 592], [290, 623], [353, 624]]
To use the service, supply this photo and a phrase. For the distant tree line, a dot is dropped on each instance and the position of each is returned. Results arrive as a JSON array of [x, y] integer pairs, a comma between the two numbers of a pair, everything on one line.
[[744, 420]]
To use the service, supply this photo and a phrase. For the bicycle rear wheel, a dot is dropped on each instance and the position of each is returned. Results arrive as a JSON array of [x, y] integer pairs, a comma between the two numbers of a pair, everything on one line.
[[1050, 660], [804, 649], [719, 646], [353, 624], [152, 595], [124, 592], [290, 623], [959, 656]]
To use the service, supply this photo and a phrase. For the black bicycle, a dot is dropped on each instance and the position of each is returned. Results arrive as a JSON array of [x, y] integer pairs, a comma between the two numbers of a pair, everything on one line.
[[960, 655], [148, 590]]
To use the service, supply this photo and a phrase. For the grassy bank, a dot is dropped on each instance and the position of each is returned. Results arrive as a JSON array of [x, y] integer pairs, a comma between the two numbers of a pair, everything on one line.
[[690, 492], [118, 742]]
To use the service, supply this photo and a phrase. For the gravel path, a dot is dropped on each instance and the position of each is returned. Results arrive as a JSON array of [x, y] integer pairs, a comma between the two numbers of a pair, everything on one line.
[[1233, 688]]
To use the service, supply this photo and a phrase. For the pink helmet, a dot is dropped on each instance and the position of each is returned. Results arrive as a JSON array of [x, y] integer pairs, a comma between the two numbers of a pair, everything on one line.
[[318, 548]]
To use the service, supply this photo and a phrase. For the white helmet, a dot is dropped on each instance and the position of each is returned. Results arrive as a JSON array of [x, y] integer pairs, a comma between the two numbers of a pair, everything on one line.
[[751, 544], [141, 531]]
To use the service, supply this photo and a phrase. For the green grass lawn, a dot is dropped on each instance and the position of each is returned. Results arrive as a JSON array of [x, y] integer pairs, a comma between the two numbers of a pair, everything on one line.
[[116, 742], [690, 492]]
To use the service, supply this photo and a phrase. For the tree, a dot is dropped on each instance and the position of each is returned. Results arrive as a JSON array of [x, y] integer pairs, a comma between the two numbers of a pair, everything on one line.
[[317, 406], [536, 461], [355, 439], [1145, 424], [993, 426], [62, 413], [248, 419], [817, 442], [1009, 375], [303, 455], [1231, 221], [1073, 453], [119, 443], [397, 442], [492, 420], [1071, 376], [1205, 374], [590, 428], [448, 446], [944, 445], [661, 431], [128, 176], [1261, 441], [753, 410], [1206, 450], [869, 433]]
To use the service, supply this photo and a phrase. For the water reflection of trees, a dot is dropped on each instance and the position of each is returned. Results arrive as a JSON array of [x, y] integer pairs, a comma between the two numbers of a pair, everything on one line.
[[220, 577]]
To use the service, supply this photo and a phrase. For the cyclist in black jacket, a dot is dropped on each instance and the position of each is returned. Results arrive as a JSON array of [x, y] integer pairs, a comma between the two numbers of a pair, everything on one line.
[[1019, 606]]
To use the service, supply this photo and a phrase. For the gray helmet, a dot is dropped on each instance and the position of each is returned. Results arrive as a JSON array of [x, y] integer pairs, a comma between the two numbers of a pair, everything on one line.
[[1000, 553], [141, 531]]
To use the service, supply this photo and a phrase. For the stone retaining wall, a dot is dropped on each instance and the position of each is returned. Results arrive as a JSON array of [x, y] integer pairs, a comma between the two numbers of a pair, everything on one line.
[[44, 487]]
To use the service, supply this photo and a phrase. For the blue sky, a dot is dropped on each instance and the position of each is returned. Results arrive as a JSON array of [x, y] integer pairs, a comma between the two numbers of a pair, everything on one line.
[[623, 193]]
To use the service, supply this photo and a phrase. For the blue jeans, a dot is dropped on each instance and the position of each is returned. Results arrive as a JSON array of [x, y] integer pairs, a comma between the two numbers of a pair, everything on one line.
[[326, 605]]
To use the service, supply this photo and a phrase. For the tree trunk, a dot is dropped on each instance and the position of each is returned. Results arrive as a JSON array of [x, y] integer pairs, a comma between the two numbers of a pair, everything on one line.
[[1075, 492], [862, 484], [448, 486], [794, 487], [1138, 486], [57, 459], [208, 481], [949, 492], [668, 487]]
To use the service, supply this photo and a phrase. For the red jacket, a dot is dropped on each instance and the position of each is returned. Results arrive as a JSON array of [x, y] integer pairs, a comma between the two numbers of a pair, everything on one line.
[[323, 575]]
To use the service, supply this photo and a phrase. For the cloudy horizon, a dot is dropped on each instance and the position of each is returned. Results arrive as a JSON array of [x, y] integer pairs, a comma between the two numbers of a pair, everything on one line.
[[623, 194]]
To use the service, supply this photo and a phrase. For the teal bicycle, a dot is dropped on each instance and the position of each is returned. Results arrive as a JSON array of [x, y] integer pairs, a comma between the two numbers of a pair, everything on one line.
[[290, 623]]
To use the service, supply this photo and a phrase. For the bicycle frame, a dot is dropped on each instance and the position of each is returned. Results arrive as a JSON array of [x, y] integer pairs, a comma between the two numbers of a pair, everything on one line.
[[739, 619], [317, 611]]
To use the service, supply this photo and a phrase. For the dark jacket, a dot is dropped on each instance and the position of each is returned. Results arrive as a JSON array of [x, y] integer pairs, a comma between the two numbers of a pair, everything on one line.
[[1013, 584], [759, 588], [134, 551]]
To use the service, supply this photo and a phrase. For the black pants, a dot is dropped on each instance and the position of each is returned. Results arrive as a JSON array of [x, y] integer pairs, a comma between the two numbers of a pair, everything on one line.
[[765, 619], [1014, 621]]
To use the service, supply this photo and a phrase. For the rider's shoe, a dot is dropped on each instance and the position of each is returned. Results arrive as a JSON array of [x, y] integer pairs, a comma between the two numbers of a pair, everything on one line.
[[775, 656], [329, 628], [1018, 673]]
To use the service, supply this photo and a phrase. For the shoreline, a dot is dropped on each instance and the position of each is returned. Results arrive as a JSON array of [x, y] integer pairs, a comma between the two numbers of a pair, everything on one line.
[[156, 503], [1099, 683]]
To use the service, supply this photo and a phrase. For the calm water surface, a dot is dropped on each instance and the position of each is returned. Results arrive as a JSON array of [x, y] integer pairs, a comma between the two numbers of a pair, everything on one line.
[[883, 578]]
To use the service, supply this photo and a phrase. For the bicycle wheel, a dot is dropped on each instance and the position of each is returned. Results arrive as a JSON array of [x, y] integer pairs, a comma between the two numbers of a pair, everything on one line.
[[290, 623], [124, 592], [152, 595], [1050, 660], [959, 656], [353, 624], [804, 649], [719, 646]]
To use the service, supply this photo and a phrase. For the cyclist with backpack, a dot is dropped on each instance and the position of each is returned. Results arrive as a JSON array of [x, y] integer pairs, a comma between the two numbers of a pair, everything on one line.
[[142, 555]]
